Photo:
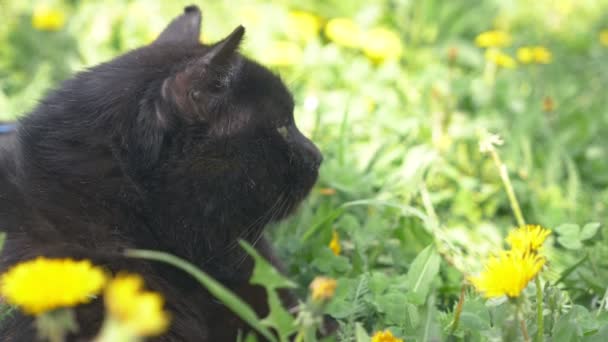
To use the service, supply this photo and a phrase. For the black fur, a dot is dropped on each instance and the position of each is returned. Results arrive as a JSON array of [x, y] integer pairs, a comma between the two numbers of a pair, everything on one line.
[[176, 146]]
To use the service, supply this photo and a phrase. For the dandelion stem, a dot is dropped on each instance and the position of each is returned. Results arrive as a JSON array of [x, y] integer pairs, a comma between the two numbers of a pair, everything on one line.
[[539, 310], [524, 330], [458, 310], [504, 175], [520, 319]]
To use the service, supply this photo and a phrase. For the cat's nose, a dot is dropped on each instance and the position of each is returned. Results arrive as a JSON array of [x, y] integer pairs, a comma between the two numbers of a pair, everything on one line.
[[310, 154]]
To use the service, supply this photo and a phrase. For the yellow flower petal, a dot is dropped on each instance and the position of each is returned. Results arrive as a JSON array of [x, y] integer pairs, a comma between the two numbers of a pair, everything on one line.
[[42, 284], [303, 25], [494, 38], [507, 274], [500, 58], [139, 311], [385, 336], [334, 244], [525, 55], [283, 53], [528, 238], [344, 32], [604, 37], [542, 55], [382, 44], [323, 288], [46, 19]]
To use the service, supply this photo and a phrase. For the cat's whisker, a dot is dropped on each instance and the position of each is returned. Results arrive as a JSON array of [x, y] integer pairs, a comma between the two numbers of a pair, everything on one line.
[[252, 226], [279, 209]]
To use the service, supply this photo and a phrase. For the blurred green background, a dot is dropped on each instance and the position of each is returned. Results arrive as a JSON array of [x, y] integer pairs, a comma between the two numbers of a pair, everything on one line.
[[397, 94]]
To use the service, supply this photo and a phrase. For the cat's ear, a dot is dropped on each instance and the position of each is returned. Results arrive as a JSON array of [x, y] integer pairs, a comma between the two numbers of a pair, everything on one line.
[[205, 77], [184, 29], [221, 52]]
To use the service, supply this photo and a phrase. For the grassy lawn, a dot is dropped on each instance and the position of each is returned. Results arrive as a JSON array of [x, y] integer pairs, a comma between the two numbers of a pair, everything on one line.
[[444, 126]]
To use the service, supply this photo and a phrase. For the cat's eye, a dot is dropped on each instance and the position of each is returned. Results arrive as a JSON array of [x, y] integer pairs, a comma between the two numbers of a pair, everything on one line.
[[284, 132], [195, 95]]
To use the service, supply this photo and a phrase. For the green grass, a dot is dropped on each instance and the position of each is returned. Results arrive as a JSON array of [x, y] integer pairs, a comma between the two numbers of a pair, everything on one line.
[[401, 145]]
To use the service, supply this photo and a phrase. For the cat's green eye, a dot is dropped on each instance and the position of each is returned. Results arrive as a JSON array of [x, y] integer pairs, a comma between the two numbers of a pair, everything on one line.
[[283, 132], [195, 95]]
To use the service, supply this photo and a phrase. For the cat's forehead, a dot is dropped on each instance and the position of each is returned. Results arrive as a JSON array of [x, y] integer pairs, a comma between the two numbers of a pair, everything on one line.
[[260, 81]]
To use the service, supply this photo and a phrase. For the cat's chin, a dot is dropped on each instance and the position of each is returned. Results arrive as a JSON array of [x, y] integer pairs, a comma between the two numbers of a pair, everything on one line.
[[295, 200]]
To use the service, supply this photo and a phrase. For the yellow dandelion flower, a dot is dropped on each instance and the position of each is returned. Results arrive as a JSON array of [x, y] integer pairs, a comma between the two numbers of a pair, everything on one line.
[[548, 104], [500, 58], [494, 38], [453, 54], [141, 312], [525, 54], [42, 284], [528, 238], [542, 55], [604, 37], [334, 244], [385, 336], [46, 19], [303, 25], [534, 54], [327, 191], [283, 53], [507, 274], [344, 32], [323, 288], [382, 44]]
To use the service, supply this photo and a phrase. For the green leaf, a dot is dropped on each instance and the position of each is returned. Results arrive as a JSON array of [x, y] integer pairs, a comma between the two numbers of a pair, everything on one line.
[[475, 315], [569, 236], [278, 317], [570, 242], [412, 316], [393, 305], [264, 274], [360, 333], [568, 229], [569, 326], [230, 300], [378, 283], [589, 230], [329, 263], [320, 224], [600, 336], [422, 272]]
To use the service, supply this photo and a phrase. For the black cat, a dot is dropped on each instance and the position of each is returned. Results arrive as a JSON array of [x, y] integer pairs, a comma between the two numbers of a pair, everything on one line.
[[176, 146]]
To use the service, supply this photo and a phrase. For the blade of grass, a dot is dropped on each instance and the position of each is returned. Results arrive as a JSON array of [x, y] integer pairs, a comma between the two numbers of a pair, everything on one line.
[[232, 301]]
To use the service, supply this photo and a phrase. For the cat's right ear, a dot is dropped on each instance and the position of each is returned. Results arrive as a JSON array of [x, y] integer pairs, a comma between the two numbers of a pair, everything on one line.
[[184, 29]]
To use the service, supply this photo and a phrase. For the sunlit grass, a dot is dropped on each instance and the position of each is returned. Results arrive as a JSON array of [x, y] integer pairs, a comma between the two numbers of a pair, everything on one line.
[[397, 98]]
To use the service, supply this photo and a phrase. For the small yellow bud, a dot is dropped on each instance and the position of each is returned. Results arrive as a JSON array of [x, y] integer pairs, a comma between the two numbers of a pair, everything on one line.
[[323, 288]]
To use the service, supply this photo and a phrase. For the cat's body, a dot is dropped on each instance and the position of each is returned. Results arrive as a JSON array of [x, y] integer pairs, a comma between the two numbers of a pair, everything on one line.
[[178, 147]]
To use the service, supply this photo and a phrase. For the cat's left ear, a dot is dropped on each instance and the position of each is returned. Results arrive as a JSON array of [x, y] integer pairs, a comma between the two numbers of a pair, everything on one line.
[[212, 73], [184, 29]]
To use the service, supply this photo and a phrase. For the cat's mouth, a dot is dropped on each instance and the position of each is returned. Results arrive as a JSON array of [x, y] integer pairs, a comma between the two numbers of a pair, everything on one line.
[[299, 189]]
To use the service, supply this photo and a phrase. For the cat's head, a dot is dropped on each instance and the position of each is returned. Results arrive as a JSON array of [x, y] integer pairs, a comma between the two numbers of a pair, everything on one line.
[[216, 130], [195, 140]]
